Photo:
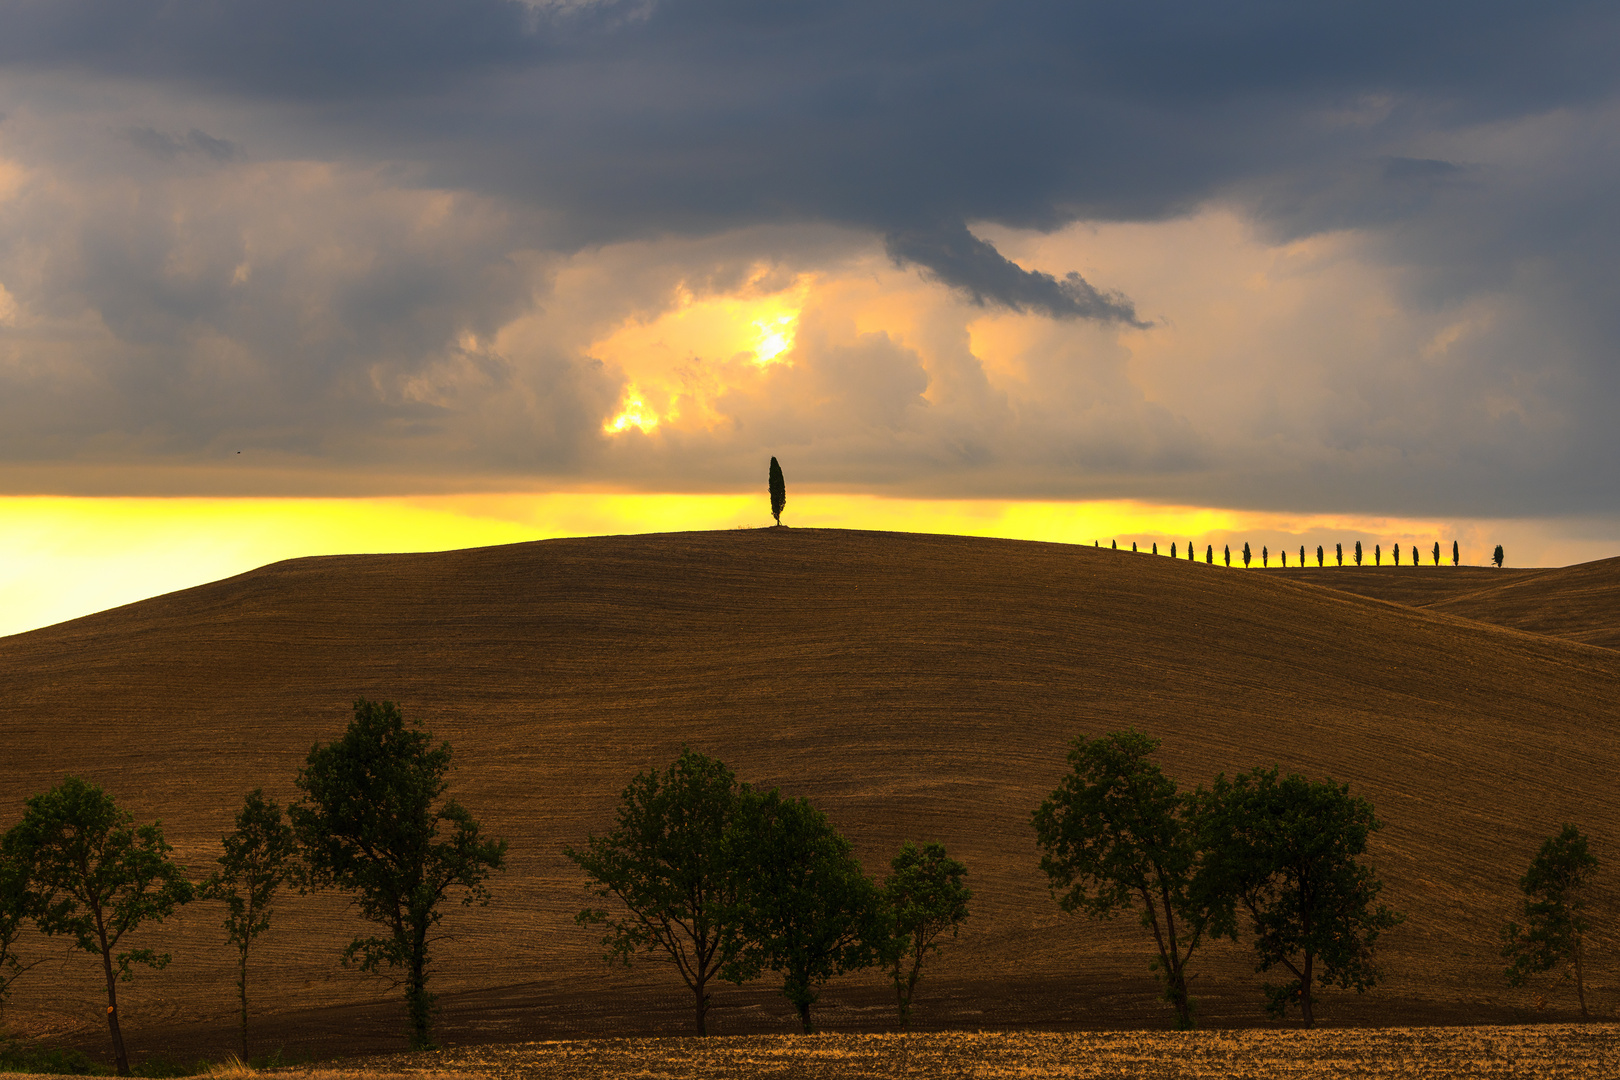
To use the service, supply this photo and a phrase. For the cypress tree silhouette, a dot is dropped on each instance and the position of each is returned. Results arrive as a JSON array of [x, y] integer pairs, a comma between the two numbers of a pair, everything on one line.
[[1302, 554], [1414, 555], [1437, 553], [1209, 554], [1265, 555], [1246, 555], [1283, 555], [1378, 555], [778, 491], [1133, 545], [1318, 554], [1496, 556], [1228, 554], [1338, 553], [1192, 556], [1455, 558], [1172, 549], [1155, 547], [1395, 553], [1113, 545], [1358, 552]]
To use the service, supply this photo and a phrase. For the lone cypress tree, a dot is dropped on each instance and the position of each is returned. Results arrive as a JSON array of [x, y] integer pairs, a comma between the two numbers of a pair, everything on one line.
[[1496, 556], [1265, 555], [1302, 554], [778, 491], [1455, 558]]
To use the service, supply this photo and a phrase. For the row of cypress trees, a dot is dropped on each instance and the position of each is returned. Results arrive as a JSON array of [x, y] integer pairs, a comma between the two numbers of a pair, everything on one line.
[[1247, 554]]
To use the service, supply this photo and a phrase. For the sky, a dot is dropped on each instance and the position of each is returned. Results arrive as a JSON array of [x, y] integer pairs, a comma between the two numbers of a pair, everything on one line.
[[283, 279]]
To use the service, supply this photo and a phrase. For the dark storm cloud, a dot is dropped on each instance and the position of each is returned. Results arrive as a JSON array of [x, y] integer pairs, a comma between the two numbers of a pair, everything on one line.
[[634, 119], [962, 260]]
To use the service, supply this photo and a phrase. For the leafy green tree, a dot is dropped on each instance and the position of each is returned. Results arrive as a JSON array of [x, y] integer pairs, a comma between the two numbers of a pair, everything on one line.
[[97, 877], [1358, 552], [807, 911], [1456, 556], [778, 491], [260, 857], [1319, 555], [1116, 835], [923, 897], [1555, 925], [16, 900], [669, 866], [1437, 553], [1284, 852], [1496, 556], [368, 824]]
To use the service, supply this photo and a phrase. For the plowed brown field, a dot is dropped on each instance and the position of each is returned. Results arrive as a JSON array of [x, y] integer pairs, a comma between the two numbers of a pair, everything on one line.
[[917, 687]]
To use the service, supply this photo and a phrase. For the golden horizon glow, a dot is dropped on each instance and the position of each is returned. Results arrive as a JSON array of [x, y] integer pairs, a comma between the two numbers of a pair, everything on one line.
[[63, 557], [633, 413]]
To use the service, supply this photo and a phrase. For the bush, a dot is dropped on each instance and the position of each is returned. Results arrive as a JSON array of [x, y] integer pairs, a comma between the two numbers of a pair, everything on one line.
[[22, 1058]]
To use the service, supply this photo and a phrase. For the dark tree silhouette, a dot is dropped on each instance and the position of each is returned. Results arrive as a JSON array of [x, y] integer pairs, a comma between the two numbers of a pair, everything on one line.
[[669, 864], [1358, 552], [1456, 557], [1318, 554], [923, 897], [1227, 554], [1395, 553], [96, 877], [1284, 851], [1302, 554], [1155, 547], [368, 825], [1338, 553], [1265, 555], [1117, 836], [260, 857], [1114, 545], [1414, 555], [778, 491], [1555, 926], [1192, 553], [1133, 547], [1246, 555], [1209, 554], [1496, 556], [1378, 555], [15, 903], [1172, 549], [1437, 553]]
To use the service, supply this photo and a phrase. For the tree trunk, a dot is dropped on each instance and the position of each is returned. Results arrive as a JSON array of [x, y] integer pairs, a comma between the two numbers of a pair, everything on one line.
[[417, 1000], [1580, 981], [241, 988], [120, 1056], [1305, 991], [702, 1004], [804, 1016]]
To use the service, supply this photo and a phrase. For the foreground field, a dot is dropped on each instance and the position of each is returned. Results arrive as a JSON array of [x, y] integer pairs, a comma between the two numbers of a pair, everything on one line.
[[913, 687], [1542, 1051]]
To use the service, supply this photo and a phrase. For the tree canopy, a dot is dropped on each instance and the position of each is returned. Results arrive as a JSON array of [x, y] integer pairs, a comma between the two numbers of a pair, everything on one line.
[[923, 897], [1283, 852], [808, 911], [96, 877], [1116, 835], [260, 856], [370, 822], [1554, 913], [669, 865], [778, 488]]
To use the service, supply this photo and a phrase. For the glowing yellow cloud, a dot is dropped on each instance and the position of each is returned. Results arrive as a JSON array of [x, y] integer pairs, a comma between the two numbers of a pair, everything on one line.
[[633, 413], [679, 362]]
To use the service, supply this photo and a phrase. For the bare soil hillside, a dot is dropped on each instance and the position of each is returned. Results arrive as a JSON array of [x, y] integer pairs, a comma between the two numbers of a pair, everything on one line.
[[920, 687], [1581, 602]]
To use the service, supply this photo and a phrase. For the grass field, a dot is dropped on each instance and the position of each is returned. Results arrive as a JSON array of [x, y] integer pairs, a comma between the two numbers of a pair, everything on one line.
[[920, 687]]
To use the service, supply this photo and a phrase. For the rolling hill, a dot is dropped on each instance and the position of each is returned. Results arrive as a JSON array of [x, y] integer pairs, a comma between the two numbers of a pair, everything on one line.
[[913, 686]]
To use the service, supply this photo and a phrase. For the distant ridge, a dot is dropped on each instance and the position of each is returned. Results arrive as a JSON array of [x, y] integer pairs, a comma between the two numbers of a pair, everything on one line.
[[913, 686]]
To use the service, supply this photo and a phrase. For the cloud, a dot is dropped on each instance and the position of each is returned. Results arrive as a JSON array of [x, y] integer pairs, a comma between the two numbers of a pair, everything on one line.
[[1374, 243], [960, 259]]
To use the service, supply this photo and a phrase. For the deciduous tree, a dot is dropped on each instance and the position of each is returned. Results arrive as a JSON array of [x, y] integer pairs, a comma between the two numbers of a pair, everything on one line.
[[1115, 836], [778, 488], [1497, 557], [372, 822], [96, 877], [668, 864], [923, 897], [16, 901], [1554, 913], [260, 857], [1283, 853], [807, 910]]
